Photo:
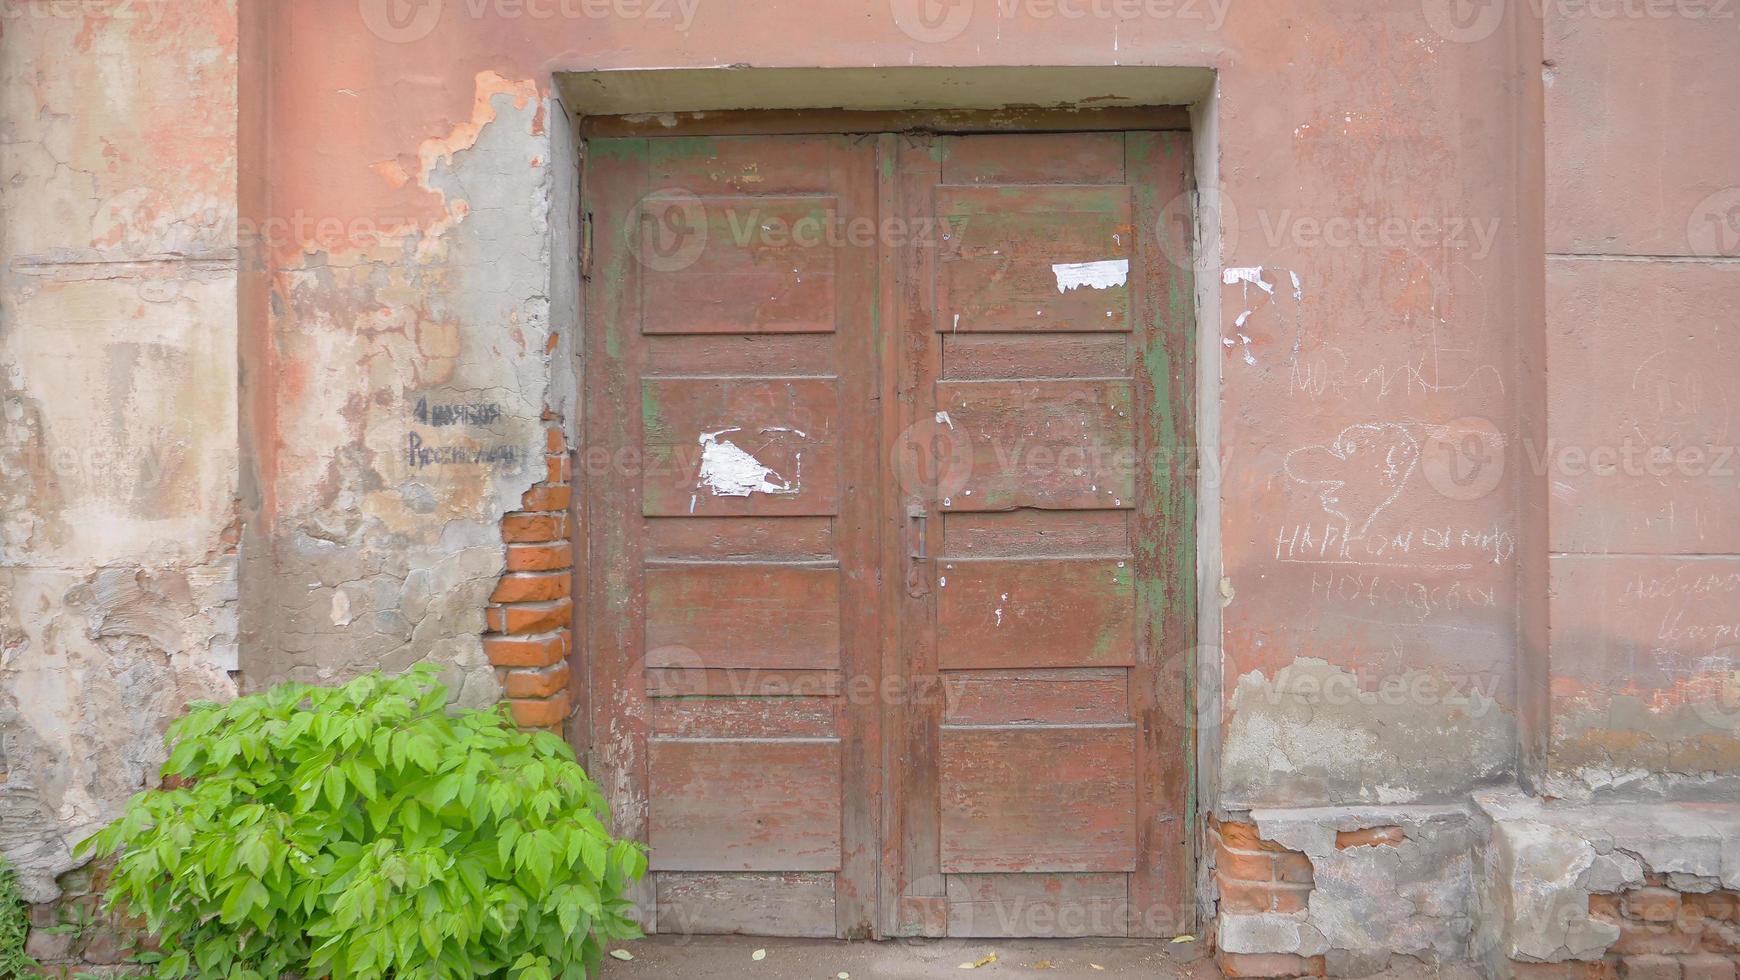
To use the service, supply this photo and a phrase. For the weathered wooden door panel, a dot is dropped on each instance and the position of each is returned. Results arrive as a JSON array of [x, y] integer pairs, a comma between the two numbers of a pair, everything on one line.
[[890, 534], [1043, 792], [729, 359]]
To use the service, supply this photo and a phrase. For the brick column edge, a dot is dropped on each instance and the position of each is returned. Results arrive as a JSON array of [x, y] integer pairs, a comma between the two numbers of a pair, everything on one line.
[[529, 621]]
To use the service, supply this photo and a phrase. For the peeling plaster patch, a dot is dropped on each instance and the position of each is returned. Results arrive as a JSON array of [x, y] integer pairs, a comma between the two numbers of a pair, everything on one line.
[[96, 666], [1541, 861], [729, 471], [458, 310], [340, 608], [1313, 732], [1249, 275], [1369, 903], [942, 418], [1621, 745], [1104, 274]]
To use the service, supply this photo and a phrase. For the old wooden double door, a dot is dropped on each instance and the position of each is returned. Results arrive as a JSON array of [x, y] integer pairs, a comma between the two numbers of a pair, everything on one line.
[[888, 518]]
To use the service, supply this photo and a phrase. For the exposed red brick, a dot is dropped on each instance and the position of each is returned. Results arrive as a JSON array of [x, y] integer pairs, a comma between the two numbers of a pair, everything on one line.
[[1568, 970], [530, 651], [1721, 937], [531, 587], [1261, 896], [1651, 904], [1649, 968], [1245, 865], [1293, 867], [546, 498], [541, 683], [1709, 966], [557, 466], [537, 617], [1369, 837], [554, 441], [1244, 836], [539, 712], [534, 528], [1270, 965], [1639, 938], [539, 557], [1605, 905], [1714, 905]]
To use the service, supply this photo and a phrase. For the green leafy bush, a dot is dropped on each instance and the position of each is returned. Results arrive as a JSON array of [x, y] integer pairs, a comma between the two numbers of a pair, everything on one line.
[[14, 927], [369, 831]]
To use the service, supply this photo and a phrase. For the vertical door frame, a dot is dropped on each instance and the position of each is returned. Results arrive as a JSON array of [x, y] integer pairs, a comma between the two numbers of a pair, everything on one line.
[[898, 908]]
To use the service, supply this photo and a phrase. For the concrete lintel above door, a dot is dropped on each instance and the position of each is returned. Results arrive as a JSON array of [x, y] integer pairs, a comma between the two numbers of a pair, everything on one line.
[[731, 87]]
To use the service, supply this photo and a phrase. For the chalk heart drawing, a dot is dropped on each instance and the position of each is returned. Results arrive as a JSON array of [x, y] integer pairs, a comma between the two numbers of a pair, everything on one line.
[[1713, 231], [933, 459], [1464, 21], [1718, 704], [1360, 472], [400, 21], [666, 230], [729, 470], [1179, 225], [931, 21], [1463, 459]]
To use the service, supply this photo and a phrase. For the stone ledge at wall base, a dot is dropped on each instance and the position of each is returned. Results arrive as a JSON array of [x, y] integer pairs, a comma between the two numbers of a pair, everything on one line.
[[1628, 890], [1504, 886]]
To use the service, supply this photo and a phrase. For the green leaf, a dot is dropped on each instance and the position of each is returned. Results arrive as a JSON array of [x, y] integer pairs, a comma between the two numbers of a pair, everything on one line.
[[366, 831]]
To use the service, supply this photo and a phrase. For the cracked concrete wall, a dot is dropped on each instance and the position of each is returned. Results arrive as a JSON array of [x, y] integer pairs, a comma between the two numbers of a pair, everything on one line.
[[1369, 903], [1539, 861], [118, 584]]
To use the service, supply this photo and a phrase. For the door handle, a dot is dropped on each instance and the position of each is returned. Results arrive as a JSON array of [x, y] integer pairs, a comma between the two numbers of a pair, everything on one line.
[[917, 551]]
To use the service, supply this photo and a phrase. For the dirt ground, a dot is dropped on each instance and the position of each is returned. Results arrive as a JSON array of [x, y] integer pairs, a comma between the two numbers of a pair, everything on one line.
[[732, 957]]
